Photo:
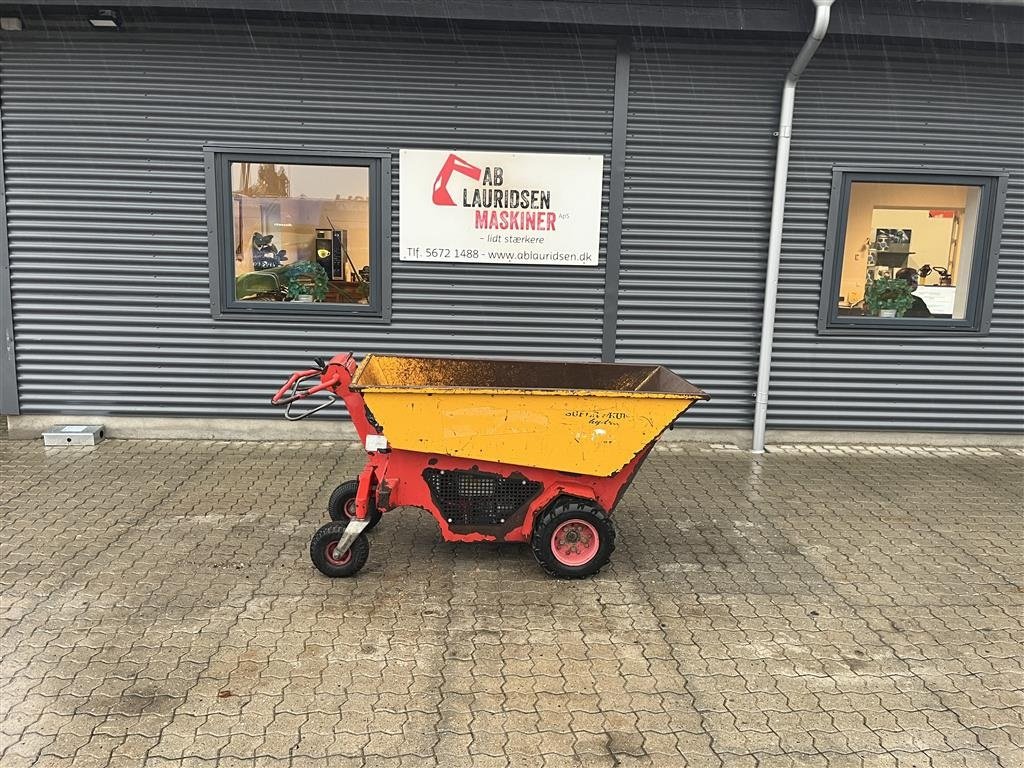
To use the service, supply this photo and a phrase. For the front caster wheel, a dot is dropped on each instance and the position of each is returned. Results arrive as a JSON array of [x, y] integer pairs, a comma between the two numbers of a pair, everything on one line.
[[573, 539], [321, 552], [342, 505]]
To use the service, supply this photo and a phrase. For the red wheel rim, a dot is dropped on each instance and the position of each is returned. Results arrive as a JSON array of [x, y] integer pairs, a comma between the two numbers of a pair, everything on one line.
[[349, 508], [575, 542], [329, 554]]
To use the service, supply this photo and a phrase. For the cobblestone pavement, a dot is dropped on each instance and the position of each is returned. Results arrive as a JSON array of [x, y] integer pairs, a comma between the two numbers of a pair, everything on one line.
[[812, 607]]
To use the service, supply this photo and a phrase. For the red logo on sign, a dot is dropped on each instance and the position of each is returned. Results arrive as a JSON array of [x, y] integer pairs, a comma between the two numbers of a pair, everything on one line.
[[451, 165]]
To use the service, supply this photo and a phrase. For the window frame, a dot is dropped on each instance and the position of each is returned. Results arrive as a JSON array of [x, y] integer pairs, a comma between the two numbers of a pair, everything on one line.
[[220, 224], [981, 285]]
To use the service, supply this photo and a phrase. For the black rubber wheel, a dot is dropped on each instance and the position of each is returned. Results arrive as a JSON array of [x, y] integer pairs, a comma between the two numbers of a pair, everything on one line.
[[342, 505], [573, 538], [321, 549]]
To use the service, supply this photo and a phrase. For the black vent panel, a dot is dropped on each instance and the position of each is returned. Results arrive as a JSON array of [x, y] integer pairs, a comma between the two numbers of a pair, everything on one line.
[[479, 498]]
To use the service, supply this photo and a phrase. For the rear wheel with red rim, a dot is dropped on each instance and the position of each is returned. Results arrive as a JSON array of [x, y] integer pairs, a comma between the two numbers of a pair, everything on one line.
[[573, 538]]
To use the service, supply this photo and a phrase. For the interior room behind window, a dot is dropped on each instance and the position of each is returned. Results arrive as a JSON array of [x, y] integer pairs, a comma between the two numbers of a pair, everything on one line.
[[288, 219], [929, 228]]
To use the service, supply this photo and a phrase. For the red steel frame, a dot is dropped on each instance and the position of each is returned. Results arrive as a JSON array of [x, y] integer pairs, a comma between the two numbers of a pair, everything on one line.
[[395, 476]]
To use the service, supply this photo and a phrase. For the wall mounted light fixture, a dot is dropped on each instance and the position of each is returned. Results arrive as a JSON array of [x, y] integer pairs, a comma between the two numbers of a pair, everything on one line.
[[106, 19]]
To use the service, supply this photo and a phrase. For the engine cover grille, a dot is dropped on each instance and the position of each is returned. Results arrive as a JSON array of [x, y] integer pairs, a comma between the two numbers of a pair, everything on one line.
[[472, 498]]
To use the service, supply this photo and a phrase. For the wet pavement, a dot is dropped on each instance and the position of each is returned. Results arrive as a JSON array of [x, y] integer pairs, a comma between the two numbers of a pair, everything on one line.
[[818, 606]]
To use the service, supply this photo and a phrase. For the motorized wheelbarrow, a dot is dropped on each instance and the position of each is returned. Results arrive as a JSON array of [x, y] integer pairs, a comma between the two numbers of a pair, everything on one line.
[[495, 450]]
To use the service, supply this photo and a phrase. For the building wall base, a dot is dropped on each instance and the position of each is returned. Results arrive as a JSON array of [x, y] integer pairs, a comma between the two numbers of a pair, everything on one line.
[[896, 437], [150, 428]]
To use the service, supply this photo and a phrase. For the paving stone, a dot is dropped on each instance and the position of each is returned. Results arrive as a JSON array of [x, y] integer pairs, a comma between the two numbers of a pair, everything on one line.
[[816, 606]]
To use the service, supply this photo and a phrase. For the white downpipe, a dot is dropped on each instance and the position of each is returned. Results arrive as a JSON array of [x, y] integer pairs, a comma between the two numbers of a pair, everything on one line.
[[822, 10]]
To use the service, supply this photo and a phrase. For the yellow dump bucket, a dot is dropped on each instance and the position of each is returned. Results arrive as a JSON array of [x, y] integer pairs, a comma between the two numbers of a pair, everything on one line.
[[586, 418]]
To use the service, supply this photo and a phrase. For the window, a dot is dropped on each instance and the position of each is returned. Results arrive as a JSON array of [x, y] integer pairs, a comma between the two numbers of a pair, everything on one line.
[[911, 251], [297, 233]]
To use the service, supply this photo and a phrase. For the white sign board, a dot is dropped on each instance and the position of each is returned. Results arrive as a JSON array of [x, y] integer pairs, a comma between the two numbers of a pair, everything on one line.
[[499, 207], [939, 298]]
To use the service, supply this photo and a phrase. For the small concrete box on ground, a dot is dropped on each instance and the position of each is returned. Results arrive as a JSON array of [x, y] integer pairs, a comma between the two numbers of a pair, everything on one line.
[[73, 434]]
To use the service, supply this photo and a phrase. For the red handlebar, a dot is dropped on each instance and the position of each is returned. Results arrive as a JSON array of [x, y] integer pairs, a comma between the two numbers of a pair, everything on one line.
[[334, 377], [297, 394], [278, 399]]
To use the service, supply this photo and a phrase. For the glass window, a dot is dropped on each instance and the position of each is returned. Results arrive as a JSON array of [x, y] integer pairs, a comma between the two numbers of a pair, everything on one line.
[[301, 232], [298, 234], [909, 253]]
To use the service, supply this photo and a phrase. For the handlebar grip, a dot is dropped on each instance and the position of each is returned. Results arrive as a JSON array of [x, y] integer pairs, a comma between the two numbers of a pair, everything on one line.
[[290, 392], [291, 384]]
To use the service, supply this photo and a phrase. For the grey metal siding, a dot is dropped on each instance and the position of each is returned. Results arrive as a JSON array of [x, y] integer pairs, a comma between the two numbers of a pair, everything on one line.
[[896, 106], [699, 163], [103, 140]]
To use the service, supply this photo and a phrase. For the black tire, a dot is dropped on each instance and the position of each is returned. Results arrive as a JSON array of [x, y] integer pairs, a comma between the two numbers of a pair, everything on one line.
[[591, 519], [340, 507], [325, 539]]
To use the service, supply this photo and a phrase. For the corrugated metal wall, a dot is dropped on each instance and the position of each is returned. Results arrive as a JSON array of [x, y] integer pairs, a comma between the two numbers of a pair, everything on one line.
[[699, 162], [889, 106], [700, 156], [103, 137]]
